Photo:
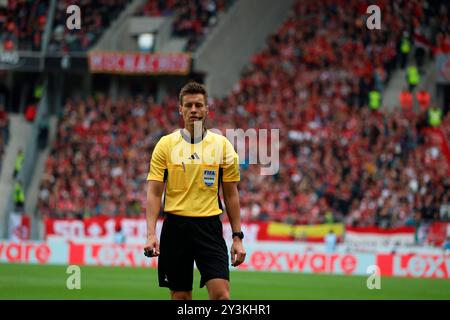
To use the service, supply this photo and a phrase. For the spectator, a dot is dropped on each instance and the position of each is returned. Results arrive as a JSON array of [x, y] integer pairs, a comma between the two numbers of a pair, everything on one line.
[[413, 77], [423, 97], [119, 236], [4, 124], [434, 117], [374, 99], [405, 48], [330, 242], [19, 196], [406, 100], [18, 164], [446, 246], [30, 112]]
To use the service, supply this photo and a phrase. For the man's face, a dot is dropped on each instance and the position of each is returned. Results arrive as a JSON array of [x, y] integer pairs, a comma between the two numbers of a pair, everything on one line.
[[193, 109]]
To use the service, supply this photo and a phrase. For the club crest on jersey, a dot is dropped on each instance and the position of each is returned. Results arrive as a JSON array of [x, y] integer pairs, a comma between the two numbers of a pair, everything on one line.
[[209, 176]]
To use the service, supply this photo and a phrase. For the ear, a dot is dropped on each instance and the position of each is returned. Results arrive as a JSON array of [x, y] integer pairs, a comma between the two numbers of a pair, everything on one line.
[[180, 108]]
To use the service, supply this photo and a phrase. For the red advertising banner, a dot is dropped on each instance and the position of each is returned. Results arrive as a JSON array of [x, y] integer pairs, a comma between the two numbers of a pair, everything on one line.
[[139, 63], [414, 265], [437, 233], [261, 256], [102, 229], [279, 257], [71, 229], [273, 259], [110, 255]]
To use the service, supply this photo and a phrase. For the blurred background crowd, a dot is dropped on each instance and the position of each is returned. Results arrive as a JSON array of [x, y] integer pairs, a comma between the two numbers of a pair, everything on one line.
[[345, 155], [341, 157]]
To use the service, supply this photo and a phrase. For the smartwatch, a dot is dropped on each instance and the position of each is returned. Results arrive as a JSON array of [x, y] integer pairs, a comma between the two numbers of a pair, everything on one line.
[[239, 234]]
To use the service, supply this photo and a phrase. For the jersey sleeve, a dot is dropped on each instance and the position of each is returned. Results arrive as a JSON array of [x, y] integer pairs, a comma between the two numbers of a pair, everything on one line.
[[158, 164], [230, 163]]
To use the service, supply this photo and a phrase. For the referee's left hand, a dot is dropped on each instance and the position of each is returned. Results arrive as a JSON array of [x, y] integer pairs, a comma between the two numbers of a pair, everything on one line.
[[237, 252], [151, 248]]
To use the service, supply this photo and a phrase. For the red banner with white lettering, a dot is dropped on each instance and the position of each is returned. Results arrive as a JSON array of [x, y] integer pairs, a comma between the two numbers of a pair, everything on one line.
[[261, 256], [367, 239], [101, 229], [139, 63], [437, 233], [414, 265]]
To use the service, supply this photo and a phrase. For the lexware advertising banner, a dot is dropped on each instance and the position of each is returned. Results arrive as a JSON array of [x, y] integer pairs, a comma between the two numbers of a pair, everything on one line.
[[110, 255], [34, 252], [414, 265], [261, 256]]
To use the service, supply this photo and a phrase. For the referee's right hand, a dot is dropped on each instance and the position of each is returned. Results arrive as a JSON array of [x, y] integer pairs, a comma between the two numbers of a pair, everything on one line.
[[151, 248]]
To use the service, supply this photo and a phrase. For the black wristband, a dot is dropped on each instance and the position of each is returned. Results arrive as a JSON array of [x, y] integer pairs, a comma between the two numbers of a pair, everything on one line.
[[239, 234]]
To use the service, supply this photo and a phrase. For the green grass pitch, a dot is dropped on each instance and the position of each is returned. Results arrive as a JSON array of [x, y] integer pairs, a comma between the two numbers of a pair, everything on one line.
[[49, 282]]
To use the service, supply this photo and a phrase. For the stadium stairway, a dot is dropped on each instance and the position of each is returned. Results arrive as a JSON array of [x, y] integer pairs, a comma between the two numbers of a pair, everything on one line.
[[398, 82], [116, 37], [33, 189], [239, 34], [119, 37], [394, 88], [20, 133]]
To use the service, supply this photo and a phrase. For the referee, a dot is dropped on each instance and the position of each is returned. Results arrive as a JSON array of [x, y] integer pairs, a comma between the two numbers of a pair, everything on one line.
[[192, 165]]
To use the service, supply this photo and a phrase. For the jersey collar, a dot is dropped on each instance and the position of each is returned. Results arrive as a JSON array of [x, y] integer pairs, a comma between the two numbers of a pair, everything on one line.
[[188, 138]]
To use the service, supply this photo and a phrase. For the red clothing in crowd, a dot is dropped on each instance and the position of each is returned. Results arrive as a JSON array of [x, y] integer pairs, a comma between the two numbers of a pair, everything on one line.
[[30, 112], [406, 100], [423, 97]]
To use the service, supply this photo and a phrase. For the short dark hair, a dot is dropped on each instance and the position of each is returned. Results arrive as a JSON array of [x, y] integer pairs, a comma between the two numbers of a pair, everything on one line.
[[193, 88]]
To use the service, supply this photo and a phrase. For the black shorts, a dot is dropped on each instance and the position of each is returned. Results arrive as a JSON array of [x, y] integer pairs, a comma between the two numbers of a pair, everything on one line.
[[188, 239]]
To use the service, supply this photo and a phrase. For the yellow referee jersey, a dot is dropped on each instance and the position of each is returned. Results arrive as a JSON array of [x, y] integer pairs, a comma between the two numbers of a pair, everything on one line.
[[193, 171]]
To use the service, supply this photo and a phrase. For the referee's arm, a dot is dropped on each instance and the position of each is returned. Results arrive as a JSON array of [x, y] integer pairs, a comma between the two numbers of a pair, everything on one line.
[[154, 193], [231, 198]]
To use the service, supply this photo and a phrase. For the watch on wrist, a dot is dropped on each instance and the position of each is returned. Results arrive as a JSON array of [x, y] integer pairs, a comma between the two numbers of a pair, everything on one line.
[[239, 234]]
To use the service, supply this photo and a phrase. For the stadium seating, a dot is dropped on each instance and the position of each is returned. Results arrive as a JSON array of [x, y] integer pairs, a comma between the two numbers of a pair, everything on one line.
[[97, 16], [100, 159], [194, 19], [339, 160], [22, 24], [312, 81]]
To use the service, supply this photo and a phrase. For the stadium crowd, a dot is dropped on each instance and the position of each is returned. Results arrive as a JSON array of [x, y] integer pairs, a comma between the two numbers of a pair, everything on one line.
[[339, 159], [193, 19], [22, 24], [97, 15]]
